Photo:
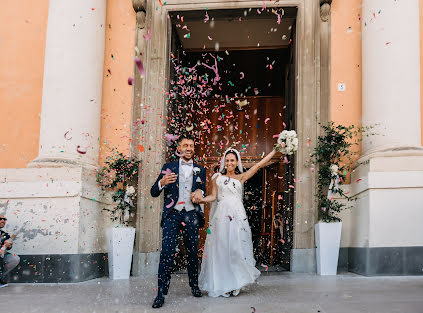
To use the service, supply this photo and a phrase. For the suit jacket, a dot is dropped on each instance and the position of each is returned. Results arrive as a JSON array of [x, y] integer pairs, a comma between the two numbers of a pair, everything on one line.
[[171, 191]]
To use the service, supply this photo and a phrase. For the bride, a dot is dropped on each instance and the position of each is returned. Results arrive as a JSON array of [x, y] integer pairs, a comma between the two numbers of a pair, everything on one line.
[[228, 260]]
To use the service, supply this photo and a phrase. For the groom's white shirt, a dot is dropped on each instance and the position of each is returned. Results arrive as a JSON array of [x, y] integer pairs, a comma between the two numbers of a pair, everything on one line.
[[185, 185]]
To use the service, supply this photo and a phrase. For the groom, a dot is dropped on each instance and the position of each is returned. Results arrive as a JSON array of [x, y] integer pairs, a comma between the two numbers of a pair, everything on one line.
[[181, 181]]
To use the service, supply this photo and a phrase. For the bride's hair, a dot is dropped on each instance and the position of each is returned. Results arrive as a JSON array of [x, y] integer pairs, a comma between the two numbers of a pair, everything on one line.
[[237, 171]]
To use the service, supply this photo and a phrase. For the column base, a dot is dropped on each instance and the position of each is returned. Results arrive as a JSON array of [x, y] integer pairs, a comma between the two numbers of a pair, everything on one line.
[[145, 263], [303, 261], [60, 211]]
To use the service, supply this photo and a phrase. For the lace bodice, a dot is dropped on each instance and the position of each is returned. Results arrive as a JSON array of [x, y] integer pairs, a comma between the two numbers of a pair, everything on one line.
[[228, 188]]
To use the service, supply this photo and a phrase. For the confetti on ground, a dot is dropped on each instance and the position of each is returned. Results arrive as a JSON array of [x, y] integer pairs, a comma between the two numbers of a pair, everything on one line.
[[130, 81], [140, 148], [358, 180]]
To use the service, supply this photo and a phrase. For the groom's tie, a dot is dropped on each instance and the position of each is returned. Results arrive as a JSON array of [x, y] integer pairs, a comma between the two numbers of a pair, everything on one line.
[[186, 163]]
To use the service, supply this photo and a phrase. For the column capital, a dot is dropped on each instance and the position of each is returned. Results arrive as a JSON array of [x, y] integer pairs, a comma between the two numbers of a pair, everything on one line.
[[325, 10], [139, 5]]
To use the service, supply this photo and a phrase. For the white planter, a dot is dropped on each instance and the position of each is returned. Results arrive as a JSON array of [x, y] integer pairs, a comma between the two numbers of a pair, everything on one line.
[[121, 244], [328, 239]]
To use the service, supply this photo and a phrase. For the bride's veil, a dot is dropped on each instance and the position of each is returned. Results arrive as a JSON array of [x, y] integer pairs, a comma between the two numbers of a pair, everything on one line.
[[221, 170]]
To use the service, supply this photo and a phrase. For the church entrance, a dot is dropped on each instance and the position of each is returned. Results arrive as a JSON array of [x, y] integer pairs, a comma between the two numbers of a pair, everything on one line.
[[232, 85]]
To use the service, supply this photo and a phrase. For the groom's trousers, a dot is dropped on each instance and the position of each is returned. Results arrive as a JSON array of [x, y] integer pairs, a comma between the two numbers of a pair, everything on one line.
[[175, 222]]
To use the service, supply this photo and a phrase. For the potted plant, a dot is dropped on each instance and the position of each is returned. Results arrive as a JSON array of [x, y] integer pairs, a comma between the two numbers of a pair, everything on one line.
[[334, 156], [118, 176]]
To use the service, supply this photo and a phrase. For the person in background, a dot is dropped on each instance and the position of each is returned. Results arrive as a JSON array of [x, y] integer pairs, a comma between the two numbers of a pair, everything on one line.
[[8, 261]]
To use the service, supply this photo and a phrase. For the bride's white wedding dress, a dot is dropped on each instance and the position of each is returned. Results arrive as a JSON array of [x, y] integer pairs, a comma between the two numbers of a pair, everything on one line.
[[228, 260]]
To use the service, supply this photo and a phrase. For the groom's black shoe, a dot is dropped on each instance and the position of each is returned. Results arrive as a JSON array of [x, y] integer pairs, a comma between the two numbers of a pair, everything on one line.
[[158, 302], [196, 292]]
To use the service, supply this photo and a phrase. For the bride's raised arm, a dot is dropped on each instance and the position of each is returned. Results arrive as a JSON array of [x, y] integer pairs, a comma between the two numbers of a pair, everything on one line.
[[250, 173]]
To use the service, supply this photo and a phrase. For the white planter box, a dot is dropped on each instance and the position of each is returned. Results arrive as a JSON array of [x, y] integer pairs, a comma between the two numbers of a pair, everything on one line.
[[328, 239], [121, 244]]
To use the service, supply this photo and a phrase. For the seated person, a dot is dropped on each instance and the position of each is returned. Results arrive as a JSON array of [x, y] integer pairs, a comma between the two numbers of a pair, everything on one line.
[[8, 261]]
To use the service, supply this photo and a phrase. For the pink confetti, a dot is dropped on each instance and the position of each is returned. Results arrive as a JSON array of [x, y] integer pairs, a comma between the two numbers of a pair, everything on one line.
[[170, 204], [358, 180], [167, 172], [170, 138], [65, 135], [206, 18], [242, 75], [266, 120], [209, 38], [130, 81], [284, 125], [285, 160], [138, 62], [179, 154], [148, 36], [308, 142]]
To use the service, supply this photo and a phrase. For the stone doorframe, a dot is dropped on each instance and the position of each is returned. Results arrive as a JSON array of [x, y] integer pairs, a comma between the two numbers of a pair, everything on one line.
[[149, 101]]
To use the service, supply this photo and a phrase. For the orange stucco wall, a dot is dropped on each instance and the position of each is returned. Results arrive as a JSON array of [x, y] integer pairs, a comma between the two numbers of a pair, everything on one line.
[[116, 107], [346, 62], [23, 26]]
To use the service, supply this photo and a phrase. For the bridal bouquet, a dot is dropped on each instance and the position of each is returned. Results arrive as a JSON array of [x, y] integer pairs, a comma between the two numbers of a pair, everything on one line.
[[287, 142]]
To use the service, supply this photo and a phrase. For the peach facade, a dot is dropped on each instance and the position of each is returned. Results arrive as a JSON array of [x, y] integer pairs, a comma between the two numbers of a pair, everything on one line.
[[23, 26]]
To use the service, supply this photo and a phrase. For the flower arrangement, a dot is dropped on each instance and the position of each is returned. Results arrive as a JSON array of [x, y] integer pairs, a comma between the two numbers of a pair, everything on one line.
[[119, 175], [287, 142], [335, 156]]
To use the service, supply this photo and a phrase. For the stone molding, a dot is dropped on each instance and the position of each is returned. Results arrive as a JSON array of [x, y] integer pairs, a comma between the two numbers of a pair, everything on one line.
[[324, 12], [139, 5]]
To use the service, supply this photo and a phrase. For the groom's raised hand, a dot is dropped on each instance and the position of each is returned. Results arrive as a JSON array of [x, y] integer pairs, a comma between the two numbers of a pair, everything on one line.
[[168, 179]]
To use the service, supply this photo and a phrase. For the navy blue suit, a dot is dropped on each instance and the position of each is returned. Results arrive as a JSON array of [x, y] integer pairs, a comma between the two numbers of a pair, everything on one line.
[[174, 221]]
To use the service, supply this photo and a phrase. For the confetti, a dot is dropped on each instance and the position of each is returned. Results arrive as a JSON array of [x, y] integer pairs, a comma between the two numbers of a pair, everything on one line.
[[148, 36], [130, 81], [140, 66], [80, 151], [65, 135], [358, 180], [167, 172], [140, 148], [172, 202]]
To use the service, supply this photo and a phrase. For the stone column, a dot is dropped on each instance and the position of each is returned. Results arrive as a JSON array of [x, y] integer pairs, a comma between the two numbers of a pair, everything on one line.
[[391, 73], [149, 106], [388, 181], [72, 87]]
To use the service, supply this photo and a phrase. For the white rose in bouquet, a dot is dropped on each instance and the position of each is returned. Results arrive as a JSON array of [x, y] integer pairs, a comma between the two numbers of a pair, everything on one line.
[[287, 142]]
